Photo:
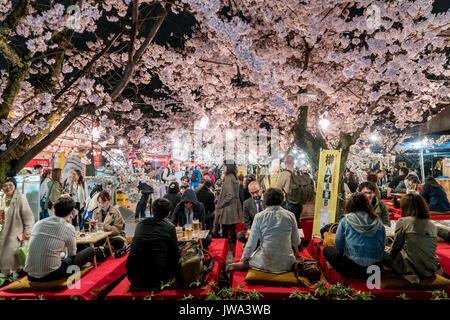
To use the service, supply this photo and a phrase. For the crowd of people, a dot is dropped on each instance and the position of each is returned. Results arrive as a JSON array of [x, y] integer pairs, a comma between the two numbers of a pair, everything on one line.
[[219, 200]]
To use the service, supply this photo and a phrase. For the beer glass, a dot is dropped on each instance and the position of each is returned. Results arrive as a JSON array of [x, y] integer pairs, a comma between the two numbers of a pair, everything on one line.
[[196, 226], [188, 231], [179, 232]]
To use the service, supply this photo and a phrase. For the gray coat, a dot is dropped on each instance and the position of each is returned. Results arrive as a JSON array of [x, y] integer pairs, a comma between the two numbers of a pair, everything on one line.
[[229, 209], [414, 247], [250, 210], [19, 219]]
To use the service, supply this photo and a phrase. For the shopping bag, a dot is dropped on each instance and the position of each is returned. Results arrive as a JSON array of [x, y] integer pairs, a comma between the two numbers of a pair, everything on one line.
[[22, 252]]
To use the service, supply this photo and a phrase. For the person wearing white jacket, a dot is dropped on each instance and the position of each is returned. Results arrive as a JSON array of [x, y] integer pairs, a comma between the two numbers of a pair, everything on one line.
[[91, 205], [43, 190], [76, 187]]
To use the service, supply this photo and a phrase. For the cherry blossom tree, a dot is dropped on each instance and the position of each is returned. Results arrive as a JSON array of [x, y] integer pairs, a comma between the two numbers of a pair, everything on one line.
[[360, 64], [64, 62]]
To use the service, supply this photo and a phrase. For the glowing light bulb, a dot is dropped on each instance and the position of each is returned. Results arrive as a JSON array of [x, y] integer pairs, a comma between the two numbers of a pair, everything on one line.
[[95, 133], [374, 138], [324, 123]]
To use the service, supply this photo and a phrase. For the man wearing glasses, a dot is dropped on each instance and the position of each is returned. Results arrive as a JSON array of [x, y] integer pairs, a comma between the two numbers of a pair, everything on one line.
[[252, 206]]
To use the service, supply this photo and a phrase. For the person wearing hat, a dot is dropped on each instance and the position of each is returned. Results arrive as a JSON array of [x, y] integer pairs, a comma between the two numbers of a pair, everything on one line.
[[146, 191], [16, 222], [173, 195]]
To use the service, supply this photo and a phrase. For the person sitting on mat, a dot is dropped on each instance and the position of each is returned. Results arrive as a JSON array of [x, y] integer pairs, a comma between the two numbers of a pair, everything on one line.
[[435, 195], [276, 229], [50, 238], [360, 239], [154, 251], [112, 221], [412, 255], [188, 210]]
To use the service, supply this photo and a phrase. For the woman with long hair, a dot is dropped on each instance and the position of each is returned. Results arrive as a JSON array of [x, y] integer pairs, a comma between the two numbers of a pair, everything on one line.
[[78, 192], [55, 190], [16, 223], [360, 239], [435, 195], [43, 189], [229, 209], [412, 255]]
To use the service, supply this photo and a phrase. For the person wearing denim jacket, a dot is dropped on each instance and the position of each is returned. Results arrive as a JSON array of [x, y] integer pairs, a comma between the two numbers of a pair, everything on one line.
[[360, 240]]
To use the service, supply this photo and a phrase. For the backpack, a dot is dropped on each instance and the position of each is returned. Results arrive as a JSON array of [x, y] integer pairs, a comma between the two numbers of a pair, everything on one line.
[[194, 177], [194, 264], [301, 189]]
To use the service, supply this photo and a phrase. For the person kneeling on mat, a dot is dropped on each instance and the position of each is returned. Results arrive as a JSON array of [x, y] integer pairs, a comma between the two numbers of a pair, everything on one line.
[[154, 251], [360, 240], [49, 239]]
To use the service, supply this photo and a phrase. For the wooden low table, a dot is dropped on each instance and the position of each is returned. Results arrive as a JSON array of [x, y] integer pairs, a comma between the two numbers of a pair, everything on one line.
[[202, 234], [396, 199], [92, 237]]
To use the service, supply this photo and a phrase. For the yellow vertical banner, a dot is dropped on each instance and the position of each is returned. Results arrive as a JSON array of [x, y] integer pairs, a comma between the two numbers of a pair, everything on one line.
[[62, 160], [327, 189]]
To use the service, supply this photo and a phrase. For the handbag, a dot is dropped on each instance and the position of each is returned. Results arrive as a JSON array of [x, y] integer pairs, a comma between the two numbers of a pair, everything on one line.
[[22, 252], [49, 204], [307, 268], [193, 265], [328, 236]]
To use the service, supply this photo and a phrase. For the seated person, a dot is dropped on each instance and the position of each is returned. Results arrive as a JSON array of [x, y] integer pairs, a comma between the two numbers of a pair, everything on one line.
[[206, 197], [373, 178], [360, 239], [402, 173], [154, 252], [173, 195], [252, 206], [50, 238], [435, 195], [185, 182], [112, 221], [188, 210], [369, 190], [409, 184], [183, 189], [412, 255], [276, 229]]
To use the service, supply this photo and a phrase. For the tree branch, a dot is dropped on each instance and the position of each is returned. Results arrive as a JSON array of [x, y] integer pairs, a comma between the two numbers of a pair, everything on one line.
[[12, 20], [82, 72], [9, 53], [129, 69], [134, 29]]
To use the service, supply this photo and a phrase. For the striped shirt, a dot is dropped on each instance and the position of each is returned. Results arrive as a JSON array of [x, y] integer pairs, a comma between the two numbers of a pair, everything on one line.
[[49, 239]]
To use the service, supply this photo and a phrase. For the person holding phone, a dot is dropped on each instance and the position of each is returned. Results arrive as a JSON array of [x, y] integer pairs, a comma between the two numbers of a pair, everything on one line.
[[17, 222]]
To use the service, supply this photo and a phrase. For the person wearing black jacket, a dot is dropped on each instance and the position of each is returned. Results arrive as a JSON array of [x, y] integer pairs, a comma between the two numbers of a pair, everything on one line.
[[154, 251], [173, 195], [146, 191], [206, 197], [188, 210], [396, 180]]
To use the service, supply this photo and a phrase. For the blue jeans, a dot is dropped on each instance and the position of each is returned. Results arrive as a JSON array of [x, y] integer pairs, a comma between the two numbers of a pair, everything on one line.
[[44, 213], [142, 206]]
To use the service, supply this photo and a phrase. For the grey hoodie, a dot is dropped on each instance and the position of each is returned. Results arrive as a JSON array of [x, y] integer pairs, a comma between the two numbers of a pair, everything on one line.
[[363, 223]]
